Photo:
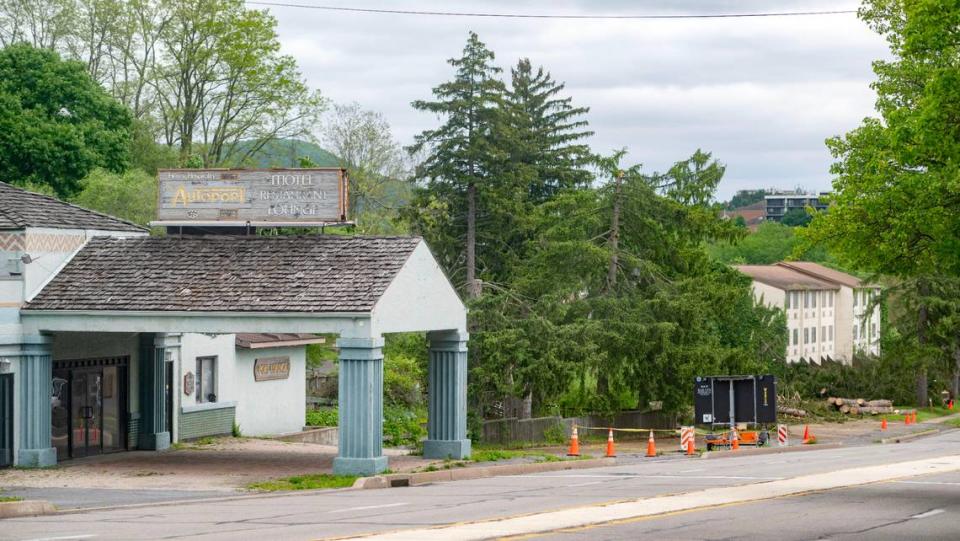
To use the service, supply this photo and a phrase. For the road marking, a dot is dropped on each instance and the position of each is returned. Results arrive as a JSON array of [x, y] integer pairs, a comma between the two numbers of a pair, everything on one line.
[[640, 509], [930, 513], [586, 484], [64, 537], [691, 471], [365, 507]]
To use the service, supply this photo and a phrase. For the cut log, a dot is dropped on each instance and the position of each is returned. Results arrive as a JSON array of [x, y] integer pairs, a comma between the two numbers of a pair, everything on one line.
[[854, 410], [844, 409], [861, 402], [791, 411], [876, 410], [880, 403]]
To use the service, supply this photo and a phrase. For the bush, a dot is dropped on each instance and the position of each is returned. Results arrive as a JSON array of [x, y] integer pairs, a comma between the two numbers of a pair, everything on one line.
[[403, 426], [401, 381], [322, 417]]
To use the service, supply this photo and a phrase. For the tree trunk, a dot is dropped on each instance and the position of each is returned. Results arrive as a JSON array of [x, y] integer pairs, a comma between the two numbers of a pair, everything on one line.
[[473, 287], [615, 234], [922, 342]]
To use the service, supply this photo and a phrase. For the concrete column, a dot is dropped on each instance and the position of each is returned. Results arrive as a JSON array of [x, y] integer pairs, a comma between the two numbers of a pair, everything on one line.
[[35, 374], [447, 397], [153, 434], [360, 407]]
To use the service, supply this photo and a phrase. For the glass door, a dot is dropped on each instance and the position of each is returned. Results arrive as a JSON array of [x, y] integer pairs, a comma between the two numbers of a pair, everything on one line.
[[6, 420], [86, 410]]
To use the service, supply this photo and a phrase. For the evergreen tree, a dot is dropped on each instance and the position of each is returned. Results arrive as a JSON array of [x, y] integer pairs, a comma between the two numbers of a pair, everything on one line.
[[547, 132], [461, 158]]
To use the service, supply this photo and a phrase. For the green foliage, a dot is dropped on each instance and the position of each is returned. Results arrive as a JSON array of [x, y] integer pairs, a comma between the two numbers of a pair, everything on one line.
[[494, 455], [319, 354], [403, 426], [555, 434], [322, 417], [745, 198], [305, 482], [131, 195], [796, 218], [235, 430], [56, 123], [770, 243]]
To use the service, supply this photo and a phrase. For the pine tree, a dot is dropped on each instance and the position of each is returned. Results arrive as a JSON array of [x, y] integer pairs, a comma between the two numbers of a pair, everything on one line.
[[460, 155], [547, 132]]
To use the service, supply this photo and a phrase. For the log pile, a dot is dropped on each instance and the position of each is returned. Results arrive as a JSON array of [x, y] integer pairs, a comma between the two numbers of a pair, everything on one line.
[[859, 406], [794, 412]]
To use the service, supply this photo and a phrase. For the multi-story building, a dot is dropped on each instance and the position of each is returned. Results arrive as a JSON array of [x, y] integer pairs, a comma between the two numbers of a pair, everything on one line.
[[779, 204], [830, 314]]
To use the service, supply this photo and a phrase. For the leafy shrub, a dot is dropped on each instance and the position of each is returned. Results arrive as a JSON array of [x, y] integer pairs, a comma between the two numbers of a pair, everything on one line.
[[401, 381], [403, 426], [555, 434], [322, 417]]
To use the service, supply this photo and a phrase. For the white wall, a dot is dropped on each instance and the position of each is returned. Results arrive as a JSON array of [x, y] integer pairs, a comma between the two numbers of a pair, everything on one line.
[[275, 406], [262, 407], [420, 298]]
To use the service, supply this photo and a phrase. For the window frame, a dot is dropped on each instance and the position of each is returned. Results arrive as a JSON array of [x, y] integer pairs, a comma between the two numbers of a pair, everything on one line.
[[198, 391]]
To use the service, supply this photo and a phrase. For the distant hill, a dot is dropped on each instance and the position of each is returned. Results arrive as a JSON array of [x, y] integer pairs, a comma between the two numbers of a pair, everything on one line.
[[287, 153]]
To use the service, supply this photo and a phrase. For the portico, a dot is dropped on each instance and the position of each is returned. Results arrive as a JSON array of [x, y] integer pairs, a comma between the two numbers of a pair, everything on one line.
[[162, 287]]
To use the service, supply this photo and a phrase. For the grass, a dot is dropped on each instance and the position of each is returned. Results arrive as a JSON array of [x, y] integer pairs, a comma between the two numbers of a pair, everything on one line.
[[922, 413], [10, 499], [493, 455], [953, 422], [305, 482]]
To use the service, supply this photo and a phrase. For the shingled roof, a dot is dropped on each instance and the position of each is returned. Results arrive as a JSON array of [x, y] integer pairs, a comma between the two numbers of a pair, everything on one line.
[[20, 208], [238, 274], [784, 278]]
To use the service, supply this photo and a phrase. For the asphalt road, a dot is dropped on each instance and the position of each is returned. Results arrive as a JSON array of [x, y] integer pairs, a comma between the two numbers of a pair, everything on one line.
[[886, 507]]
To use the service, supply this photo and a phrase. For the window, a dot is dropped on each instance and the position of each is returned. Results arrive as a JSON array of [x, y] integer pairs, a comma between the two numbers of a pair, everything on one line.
[[806, 335], [855, 332], [813, 334], [831, 332], [788, 300], [855, 294], [830, 299], [873, 330], [823, 333], [813, 296], [206, 379], [796, 334], [806, 299]]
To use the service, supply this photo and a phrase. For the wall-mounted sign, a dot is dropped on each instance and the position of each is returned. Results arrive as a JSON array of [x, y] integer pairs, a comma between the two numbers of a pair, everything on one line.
[[271, 368], [255, 196], [189, 381]]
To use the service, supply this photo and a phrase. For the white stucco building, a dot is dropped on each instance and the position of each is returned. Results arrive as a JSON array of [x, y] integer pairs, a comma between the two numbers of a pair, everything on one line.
[[830, 314]]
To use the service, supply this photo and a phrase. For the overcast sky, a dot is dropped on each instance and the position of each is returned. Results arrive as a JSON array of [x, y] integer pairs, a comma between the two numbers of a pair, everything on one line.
[[761, 94]]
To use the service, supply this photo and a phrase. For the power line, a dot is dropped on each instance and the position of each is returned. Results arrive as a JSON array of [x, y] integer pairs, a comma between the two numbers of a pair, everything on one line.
[[553, 16]]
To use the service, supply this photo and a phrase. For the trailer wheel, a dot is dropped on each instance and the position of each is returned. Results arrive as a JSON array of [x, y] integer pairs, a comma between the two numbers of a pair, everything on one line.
[[709, 447]]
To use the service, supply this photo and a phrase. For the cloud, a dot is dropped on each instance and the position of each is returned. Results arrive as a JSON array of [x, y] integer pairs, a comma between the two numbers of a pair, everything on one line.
[[762, 94]]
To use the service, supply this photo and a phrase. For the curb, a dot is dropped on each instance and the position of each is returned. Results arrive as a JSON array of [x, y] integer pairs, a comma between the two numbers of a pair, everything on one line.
[[26, 508], [770, 450], [912, 436], [482, 472]]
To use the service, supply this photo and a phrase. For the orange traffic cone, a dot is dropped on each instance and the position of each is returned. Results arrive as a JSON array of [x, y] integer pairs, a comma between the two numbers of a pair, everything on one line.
[[651, 446], [735, 441], [950, 405], [906, 418], [574, 443], [913, 421], [690, 448], [806, 433], [610, 451], [883, 424]]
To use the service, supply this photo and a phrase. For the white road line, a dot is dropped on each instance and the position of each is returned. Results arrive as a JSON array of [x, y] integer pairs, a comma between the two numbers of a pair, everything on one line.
[[930, 513], [364, 508], [63, 537], [691, 471], [586, 484], [663, 476], [605, 512]]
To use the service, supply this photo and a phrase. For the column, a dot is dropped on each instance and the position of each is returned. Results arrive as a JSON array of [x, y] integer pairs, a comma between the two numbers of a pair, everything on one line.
[[360, 407], [153, 433], [35, 373], [447, 396]]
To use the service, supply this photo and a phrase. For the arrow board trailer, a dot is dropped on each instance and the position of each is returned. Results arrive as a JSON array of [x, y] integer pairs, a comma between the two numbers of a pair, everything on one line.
[[727, 400]]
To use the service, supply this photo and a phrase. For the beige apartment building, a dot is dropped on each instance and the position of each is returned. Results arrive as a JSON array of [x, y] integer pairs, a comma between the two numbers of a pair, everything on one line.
[[830, 314]]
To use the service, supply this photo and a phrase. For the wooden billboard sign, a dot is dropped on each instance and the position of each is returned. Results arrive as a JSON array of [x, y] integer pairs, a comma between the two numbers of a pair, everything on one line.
[[252, 196]]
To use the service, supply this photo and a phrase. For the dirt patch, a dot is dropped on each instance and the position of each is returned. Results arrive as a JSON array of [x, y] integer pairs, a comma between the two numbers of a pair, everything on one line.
[[225, 464]]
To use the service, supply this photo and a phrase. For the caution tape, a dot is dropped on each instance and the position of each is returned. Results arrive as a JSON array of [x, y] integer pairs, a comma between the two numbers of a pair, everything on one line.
[[627, 429]]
